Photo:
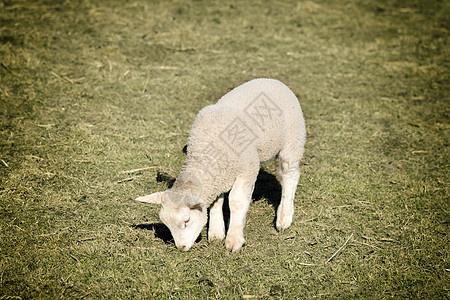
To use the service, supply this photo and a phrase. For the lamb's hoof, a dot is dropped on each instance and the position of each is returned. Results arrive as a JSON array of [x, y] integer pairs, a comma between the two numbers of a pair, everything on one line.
[[283, 224], [216, 231], [234, 244], [213, 236]]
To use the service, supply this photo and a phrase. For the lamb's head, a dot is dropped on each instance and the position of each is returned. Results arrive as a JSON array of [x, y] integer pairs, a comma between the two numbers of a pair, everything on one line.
[[182, 212]]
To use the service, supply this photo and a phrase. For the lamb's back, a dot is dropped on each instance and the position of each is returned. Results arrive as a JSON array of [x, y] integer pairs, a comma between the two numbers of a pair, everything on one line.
[[248, 93], [270, 110]]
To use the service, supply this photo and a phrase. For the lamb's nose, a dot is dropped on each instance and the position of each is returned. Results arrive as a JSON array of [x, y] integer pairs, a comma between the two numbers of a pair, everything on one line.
[[183, 248]]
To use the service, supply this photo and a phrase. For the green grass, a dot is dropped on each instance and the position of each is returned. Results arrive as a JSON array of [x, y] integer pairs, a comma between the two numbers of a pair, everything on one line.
[[90, 90]]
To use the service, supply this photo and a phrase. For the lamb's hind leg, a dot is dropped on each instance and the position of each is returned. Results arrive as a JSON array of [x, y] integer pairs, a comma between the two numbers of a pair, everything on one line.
[[216, 230], [239, 201], [289, 172]]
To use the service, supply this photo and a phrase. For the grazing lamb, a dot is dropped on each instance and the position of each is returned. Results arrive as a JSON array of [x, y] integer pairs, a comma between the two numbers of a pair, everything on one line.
[[255, 122]]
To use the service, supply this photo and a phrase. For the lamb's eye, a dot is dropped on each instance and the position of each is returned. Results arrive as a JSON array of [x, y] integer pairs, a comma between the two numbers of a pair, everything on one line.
[[197, 207], [186, 221]]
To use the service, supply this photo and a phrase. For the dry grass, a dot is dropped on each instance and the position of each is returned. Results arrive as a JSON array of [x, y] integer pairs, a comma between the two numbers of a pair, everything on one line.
[[96, 97]]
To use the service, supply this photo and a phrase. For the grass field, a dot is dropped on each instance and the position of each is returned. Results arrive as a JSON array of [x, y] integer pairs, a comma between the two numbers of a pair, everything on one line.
[[97, 99]]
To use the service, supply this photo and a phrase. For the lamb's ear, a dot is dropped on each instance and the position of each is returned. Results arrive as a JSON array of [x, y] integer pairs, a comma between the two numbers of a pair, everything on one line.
[[155, 198], [194, 202]]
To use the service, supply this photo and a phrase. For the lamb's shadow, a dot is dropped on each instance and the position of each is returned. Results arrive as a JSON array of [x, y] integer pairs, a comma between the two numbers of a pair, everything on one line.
[[166, 178], [161, 231], [267, 187]]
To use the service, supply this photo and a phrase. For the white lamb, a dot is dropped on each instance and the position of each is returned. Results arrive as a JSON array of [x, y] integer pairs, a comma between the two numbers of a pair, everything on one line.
[[255, 122]]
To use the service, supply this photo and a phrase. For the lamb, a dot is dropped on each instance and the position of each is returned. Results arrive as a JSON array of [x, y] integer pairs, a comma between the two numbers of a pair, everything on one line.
[[255, 122]]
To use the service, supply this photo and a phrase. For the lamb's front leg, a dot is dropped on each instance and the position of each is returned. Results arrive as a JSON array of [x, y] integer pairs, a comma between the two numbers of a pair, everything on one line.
[[239, 201], [216, 230], [289, 173]]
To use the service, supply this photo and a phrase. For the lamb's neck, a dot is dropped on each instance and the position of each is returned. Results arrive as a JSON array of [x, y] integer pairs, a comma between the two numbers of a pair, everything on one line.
[[196, 181]]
